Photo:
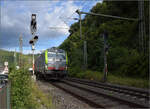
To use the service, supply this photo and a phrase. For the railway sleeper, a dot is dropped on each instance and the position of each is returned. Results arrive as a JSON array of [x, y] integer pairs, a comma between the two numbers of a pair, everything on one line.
[[130, 91], [106, 94]]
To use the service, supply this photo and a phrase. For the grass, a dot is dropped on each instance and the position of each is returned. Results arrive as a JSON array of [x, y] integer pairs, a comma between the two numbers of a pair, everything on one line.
[[135, 82], [128, 81], [41, 98]]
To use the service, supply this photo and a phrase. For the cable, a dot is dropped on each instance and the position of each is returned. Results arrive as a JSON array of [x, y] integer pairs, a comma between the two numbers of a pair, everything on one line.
[[123, 18], [58, 28]]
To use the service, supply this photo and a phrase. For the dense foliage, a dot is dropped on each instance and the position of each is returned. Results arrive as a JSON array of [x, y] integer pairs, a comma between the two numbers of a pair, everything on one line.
[[125, 57], [25, 93], [21, 90]]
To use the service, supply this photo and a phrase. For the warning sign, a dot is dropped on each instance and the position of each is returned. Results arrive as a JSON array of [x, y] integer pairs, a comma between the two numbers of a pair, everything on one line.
[[6, 69], [6, 63]]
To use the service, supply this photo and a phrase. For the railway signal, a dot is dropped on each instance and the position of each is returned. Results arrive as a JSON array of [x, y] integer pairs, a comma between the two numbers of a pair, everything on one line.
[[33, 40], [33, 28], [33, 25], [32, 43]]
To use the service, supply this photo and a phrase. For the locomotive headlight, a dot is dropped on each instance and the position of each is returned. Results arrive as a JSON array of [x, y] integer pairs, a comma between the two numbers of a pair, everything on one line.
[[46, 67]]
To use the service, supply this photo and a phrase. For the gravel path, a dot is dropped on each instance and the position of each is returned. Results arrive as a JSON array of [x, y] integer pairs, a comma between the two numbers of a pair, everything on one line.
[[61, 99]]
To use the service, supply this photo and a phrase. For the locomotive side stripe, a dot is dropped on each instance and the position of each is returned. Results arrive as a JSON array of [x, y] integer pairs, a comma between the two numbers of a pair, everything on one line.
[[46, 57]]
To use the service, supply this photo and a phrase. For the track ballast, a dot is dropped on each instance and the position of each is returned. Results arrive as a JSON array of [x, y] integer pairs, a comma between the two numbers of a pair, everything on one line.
[[102, 95]]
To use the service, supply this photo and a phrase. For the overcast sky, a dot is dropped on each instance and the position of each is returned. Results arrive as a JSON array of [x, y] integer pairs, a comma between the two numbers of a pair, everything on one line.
[[15, 17]]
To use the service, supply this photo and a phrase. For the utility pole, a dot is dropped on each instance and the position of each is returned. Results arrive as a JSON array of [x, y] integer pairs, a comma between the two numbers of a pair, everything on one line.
[[33, 58], [80, 24], [85, 43], [142, 33], [20, 48], [15, 59], [105, 57]]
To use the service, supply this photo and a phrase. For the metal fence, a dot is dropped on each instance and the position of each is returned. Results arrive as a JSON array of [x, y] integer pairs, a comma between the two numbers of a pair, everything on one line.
[[5, 97]]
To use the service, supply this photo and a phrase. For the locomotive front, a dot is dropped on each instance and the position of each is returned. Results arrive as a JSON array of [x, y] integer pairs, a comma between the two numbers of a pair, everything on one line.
[[56, 63]]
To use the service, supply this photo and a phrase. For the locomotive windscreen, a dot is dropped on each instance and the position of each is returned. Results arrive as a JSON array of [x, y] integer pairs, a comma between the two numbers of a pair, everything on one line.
[[52, 55], [56, 55], [60, 56]]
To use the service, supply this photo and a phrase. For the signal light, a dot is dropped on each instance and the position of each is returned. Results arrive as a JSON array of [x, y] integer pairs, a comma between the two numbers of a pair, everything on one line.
[[36, 38], [31, 42], [33, 25], [33, 17]]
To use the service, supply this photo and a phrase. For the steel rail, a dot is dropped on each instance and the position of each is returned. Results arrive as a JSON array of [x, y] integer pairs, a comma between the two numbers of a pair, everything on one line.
[[73, 91], [121, 89], [106, 93]]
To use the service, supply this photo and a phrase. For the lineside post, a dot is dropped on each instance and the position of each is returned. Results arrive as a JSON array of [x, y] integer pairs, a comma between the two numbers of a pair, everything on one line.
[[105, 56]]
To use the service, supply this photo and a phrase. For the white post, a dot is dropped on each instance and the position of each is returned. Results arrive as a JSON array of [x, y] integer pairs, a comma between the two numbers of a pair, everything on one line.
[[34, 77]]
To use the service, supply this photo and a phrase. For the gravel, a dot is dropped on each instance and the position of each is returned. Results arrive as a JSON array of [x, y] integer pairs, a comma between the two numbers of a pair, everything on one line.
[[61, 99]]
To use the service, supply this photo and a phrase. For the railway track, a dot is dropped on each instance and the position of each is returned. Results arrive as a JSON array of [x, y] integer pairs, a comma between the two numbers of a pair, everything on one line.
[[100, 95]]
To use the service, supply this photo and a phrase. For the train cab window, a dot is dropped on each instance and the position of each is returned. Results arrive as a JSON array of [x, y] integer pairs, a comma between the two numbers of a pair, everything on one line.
[[51, 55], [60, 56]]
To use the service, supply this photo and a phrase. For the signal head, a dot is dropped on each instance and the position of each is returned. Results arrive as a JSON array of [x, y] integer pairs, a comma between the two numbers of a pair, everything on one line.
[[33, 17], [35, 38], [78, 11], [31, 42]]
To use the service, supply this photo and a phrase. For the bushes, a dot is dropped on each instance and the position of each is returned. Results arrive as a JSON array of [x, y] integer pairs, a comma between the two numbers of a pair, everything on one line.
[[130, 63], [135, 82], [77, 72], [25, 93], [74, 71], [21, 97]]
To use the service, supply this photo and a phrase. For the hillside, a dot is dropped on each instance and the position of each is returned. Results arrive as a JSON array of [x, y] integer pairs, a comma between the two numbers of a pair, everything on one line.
[[125, 57], [9, 57]]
